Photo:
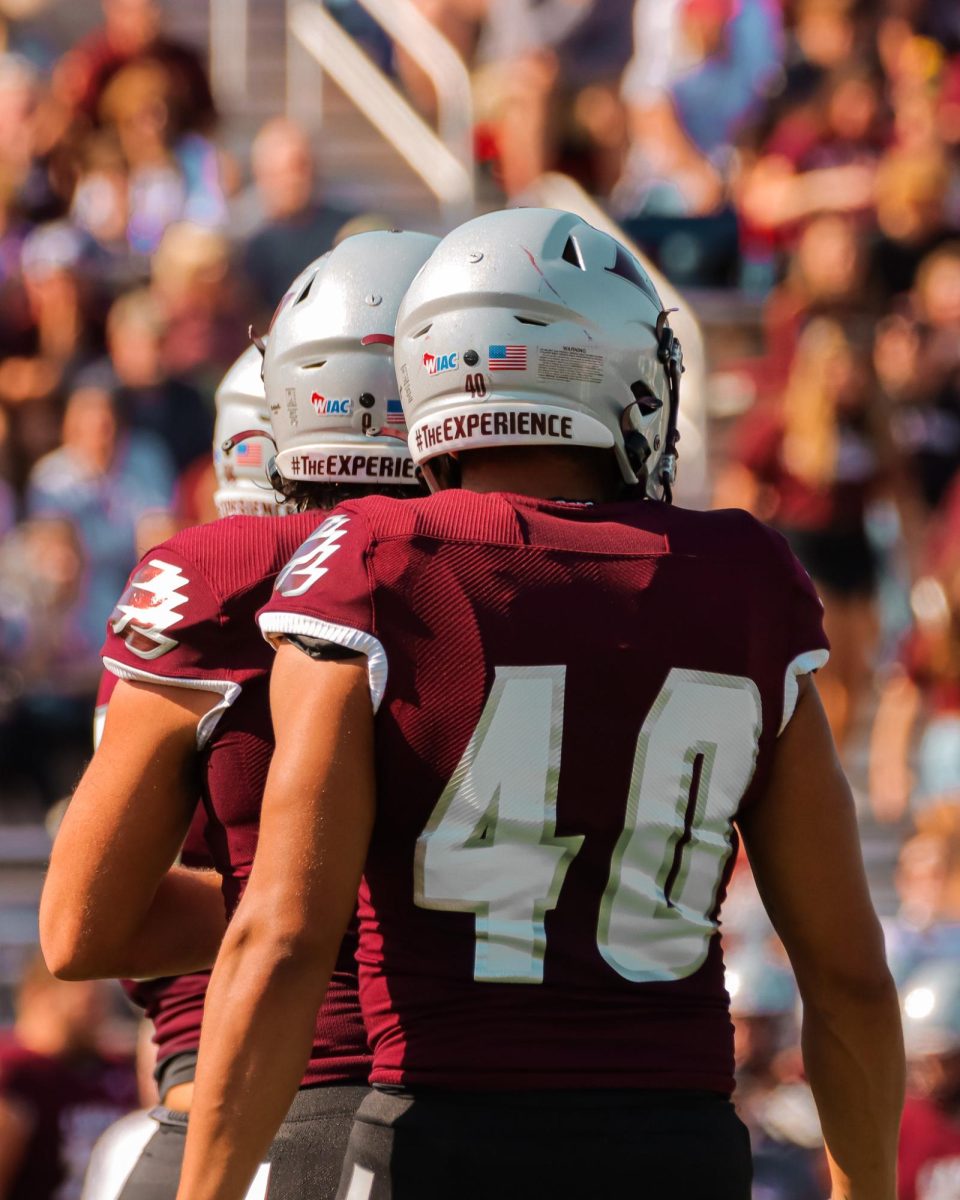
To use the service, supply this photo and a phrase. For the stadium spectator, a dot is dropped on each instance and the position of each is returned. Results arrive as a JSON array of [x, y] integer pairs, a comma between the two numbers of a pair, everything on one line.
[[294, 224], [173, 170], [105, 480], [771, 1097], [205, 313], [51, 662], [58, 1089], [147, 397], [131, 32], [924, 409], [700, 70], [49, 329], [926, 925], [810, 465], [924, 684]]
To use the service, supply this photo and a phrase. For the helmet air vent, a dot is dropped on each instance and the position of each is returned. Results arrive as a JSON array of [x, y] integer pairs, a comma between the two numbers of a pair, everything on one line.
[[626, 267], [572, 254], [531, 321], [306, 291], [647, 402], [423, 332], [314, 366]]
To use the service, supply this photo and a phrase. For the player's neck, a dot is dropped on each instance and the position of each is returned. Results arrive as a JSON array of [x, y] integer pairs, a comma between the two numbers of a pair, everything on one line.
[[543, 473]]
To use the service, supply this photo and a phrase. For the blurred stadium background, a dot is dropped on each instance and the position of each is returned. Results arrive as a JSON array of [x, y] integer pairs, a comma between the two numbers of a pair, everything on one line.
[[792, 167]]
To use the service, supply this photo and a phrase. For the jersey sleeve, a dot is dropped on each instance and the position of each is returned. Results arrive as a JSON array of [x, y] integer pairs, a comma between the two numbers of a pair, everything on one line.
[[166, 629], [805, 645], [324, 596]]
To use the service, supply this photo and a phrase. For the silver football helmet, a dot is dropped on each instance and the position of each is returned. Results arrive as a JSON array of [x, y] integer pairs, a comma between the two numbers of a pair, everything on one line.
[[242, 442], [328, 365], [530, 327]]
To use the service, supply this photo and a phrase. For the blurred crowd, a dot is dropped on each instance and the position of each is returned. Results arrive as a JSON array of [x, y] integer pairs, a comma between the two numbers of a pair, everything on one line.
[[798, 158], [134, 255]]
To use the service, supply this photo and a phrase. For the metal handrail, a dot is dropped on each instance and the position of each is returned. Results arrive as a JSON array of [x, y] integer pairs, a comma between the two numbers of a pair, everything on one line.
[[229, 49], [555, 190], [409, 29], [449, 178]]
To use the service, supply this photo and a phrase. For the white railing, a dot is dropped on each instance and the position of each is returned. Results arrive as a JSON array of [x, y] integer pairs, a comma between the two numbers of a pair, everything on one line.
[[560, 191], [409, 29], [229, 51], [444, 163]]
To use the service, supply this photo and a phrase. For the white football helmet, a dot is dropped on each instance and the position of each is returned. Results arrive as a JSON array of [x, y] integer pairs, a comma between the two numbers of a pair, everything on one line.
[[530, 327], [328, 365], [242, 441]]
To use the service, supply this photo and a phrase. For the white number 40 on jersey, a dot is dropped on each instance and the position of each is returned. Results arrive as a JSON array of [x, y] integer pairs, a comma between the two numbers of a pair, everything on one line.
[[491, 846]]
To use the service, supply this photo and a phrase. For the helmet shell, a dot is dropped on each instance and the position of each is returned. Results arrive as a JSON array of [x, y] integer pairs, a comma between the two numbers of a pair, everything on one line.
[[243, 485], [531, 327], [328, 367]]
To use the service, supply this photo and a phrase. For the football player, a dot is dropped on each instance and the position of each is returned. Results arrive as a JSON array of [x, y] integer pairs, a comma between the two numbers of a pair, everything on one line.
[[531, 710], [190, 711], [139, 1157]]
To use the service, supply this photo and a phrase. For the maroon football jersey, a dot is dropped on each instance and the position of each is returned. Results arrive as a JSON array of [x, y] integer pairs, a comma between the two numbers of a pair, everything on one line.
[[573, 703], [69, 1102], [187, 618], [174, 1004]]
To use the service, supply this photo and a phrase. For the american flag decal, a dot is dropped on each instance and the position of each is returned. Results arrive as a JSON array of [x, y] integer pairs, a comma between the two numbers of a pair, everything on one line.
[[250, 453], [508, 358], [394, 412]]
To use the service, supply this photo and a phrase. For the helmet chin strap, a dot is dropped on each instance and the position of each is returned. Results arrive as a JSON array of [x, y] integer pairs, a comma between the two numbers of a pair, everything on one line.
[[670, 353]]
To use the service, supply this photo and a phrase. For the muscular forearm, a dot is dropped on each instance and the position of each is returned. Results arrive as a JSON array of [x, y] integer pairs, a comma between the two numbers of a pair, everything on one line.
[[182, 929], [853, 1052], [179, 932], [258, 1028]]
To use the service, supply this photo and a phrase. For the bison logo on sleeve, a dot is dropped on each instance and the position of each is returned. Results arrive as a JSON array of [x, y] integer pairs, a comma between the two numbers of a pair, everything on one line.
[[306, 566], [148, 609]]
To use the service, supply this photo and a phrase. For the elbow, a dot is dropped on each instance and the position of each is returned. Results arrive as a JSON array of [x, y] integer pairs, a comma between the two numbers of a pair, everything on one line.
[[284, 947], [67, 948], [66, 958], [864, 986]]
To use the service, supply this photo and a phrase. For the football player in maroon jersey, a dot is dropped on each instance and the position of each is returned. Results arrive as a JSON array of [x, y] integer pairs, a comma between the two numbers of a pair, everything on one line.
[[139, 1157], [191, 715], [532, 711]]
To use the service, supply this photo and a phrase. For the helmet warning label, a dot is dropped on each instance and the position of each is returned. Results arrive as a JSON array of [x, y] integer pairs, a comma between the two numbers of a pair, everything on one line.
[[570, 364]]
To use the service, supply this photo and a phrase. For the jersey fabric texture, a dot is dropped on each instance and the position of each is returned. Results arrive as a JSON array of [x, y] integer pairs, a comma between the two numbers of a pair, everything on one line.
[[187, 618], [573, 704]]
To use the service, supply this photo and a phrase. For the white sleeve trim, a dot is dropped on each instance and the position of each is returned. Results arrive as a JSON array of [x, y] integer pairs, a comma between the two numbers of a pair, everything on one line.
[[226, 689], [274, 625], [803, 664]]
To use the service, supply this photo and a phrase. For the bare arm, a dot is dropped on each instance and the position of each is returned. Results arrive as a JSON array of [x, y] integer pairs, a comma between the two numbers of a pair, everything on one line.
[[282, 944], [112, 903], [805, 851]]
